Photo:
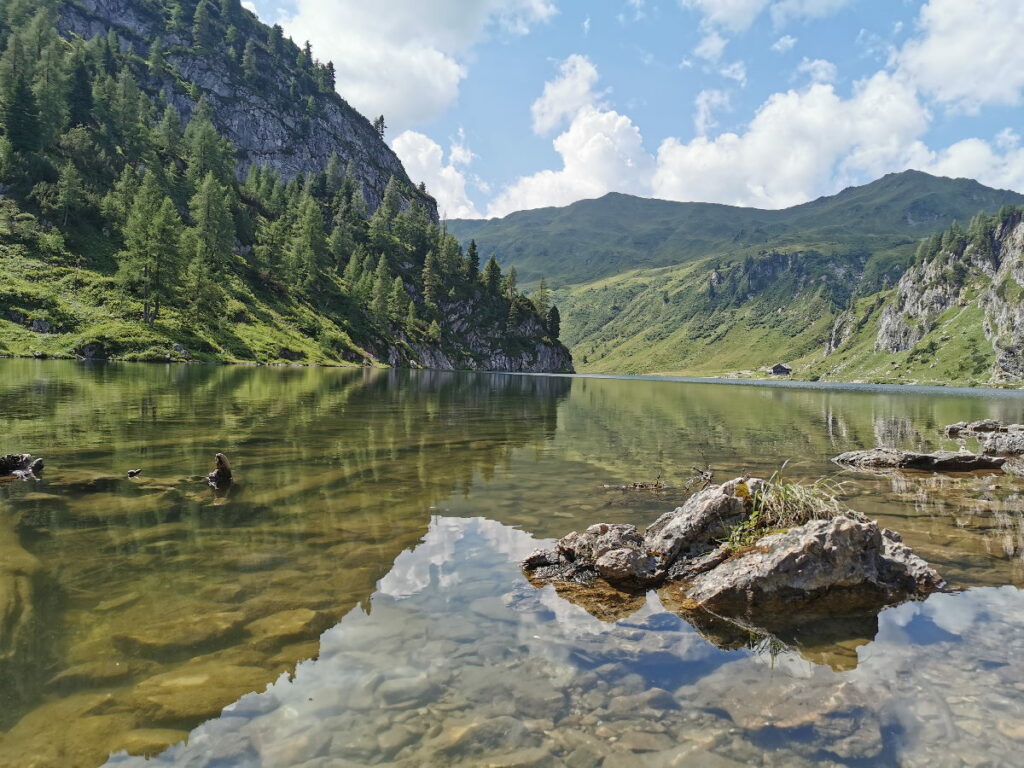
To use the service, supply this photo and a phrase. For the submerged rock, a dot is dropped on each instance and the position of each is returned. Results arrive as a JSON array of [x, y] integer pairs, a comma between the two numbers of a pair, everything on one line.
[[940, 461]]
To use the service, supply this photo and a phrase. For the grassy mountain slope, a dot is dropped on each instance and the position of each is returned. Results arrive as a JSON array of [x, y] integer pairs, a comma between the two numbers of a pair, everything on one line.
[[593, 239], [740, 289], [133, 226]]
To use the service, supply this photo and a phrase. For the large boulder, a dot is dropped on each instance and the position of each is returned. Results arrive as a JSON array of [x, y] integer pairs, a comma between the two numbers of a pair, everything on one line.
[[854, 563], [980, 428], [941, 461]]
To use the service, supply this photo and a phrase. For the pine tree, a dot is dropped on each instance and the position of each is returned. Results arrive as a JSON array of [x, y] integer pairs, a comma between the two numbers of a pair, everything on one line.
[[206, 151], [308, 246], [492, 276], [434, 331], [20, 116], [397, 300], [472, 261], [431, 282], [381, 289], [202, 25], [508, 285], [70, 191], [250, 65], [148, 266], [554, 323], [157, 61], [542, 299]]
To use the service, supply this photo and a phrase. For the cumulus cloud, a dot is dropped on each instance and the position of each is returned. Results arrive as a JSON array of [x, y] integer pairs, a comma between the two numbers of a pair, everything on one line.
[[784, 43], [800, 144], [403, 62], [999, 163], [564, 96], [819, 70], [968, 52], [602, 151], [424, 161]]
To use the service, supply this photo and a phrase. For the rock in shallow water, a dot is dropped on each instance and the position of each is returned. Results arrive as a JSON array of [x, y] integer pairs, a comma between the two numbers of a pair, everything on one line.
[[941, 461], [839, 566], [853, 563]]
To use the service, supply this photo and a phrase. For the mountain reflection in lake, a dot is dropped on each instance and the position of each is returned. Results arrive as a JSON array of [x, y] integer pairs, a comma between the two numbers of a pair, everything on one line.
[[366, 570]]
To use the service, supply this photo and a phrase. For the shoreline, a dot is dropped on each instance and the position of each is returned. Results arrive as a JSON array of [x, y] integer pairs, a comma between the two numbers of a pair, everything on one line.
[[992, 390]]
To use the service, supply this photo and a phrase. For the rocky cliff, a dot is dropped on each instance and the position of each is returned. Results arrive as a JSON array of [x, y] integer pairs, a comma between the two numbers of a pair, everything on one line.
[[258, 113], [984, 271]]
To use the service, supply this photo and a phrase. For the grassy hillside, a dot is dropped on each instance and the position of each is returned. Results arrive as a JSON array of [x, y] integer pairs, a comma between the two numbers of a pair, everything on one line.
[[593, 239], [953, 318], [132, 227]]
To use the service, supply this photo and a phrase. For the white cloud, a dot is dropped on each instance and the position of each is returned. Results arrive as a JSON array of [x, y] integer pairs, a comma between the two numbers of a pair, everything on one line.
[[586, 26], [602, 151], [711, 47], [564, 96], [736, 71], [998, 164], [706, 103], [819, 70], [786, 10], [423, 159], [400, 61], [784, 43], [732, 15], [249, 6], [969, 53], [737, 15], [801, 144]]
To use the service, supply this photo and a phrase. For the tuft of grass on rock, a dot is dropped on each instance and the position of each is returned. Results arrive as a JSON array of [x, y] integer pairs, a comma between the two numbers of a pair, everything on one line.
[[780, 504]]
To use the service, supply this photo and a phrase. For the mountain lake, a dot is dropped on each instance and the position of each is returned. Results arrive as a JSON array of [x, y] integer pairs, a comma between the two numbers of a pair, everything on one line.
[[355, 598]]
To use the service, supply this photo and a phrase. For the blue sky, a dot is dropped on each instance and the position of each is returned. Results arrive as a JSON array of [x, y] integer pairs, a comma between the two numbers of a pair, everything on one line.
[[500, 105]]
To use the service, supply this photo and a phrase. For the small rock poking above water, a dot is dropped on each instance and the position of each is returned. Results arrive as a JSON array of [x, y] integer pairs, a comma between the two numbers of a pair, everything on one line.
[[940, 461], [980, 428], [20, 466], [221, 476], [845, 563]]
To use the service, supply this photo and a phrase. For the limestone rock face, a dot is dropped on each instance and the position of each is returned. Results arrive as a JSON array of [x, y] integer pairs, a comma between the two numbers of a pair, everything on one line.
[[988, 276], [265, 123], [864, 563]]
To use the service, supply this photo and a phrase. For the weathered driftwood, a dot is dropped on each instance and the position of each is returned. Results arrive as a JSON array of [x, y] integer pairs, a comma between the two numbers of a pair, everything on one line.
[[940, 461]]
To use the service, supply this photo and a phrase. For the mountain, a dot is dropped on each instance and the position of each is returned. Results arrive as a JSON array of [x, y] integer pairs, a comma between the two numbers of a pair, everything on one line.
[[180, 181], [593, 239], [957, 314], [649, 286]]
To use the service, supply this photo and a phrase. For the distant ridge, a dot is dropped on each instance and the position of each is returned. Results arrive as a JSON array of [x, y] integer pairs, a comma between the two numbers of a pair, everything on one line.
[[596, 238]]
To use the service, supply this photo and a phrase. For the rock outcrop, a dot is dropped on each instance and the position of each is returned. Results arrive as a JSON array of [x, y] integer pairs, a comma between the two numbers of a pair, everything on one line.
[[267, 125], [982, 270], [835, 566], [940, 461]]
